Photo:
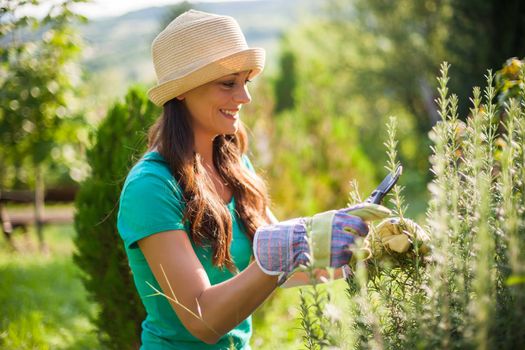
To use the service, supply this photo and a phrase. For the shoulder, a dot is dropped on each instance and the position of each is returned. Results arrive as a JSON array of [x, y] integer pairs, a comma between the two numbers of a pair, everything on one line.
[[151, 164], [150, 187], [151, 172]]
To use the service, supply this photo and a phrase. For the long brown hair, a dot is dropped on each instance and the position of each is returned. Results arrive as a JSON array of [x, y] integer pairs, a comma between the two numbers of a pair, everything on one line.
[[209, 218]]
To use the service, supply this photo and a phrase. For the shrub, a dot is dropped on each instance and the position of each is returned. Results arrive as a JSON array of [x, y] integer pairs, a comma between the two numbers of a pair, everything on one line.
[[471, 294], [118, 142]]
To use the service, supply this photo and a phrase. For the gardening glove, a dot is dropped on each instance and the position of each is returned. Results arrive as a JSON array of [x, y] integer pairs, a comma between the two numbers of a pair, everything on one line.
[[400, 235], [320, 241]]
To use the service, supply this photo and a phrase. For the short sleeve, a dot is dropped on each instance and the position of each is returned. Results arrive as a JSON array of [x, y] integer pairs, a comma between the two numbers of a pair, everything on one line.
[[149, 204]]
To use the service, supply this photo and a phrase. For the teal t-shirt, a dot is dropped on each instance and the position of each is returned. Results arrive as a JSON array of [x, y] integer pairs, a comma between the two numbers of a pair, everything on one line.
[[151, 202]]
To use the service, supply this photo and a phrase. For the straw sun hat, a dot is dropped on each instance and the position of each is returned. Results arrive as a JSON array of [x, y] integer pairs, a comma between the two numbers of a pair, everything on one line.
[[196, 48]]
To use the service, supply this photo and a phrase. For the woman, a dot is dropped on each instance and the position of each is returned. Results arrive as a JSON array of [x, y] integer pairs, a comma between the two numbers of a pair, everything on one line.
[[193, 211]]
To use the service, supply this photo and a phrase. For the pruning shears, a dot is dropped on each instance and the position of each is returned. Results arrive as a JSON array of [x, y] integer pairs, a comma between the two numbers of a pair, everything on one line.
[[384, 187]]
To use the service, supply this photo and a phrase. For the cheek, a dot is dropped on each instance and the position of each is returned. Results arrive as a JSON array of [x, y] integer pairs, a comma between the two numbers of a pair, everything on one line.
[[199, 108], [208, 115], [221, 97], [205, 107]]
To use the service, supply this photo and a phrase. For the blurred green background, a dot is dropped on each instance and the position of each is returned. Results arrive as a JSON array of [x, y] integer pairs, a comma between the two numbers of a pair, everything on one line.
[[336, 70]]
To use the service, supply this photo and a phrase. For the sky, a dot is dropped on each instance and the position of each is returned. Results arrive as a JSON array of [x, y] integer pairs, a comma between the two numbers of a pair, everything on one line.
[[108, 8]]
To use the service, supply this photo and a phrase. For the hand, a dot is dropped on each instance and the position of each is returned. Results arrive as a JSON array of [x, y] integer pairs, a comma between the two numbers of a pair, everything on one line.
[[320, 241], [399, 236]]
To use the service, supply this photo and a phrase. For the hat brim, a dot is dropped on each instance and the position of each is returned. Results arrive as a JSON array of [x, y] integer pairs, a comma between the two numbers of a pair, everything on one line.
[[247, 60]]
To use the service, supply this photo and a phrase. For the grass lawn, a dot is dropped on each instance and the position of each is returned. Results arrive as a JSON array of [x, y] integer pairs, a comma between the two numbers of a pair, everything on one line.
[[43, 304]]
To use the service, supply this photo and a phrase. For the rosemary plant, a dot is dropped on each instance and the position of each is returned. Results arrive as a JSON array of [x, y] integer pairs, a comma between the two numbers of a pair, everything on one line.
[[469, 294]]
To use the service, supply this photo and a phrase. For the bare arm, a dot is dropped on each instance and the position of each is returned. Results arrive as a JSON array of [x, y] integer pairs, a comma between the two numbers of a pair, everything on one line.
[[222, 306]]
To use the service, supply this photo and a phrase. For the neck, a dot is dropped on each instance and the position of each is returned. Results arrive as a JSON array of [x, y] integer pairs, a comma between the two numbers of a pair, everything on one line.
[[204, 147]]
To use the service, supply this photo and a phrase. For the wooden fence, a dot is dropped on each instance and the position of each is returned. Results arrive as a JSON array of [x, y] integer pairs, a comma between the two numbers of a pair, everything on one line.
[[11, 220]]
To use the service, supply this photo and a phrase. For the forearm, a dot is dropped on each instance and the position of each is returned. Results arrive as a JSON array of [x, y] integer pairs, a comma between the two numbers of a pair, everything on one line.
[[224, 305]]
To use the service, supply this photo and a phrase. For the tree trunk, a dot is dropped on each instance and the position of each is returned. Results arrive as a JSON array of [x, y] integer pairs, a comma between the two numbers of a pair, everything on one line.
[[6, 225], [39, 205]]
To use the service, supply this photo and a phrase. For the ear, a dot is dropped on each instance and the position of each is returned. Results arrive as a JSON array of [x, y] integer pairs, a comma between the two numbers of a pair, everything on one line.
[[181, 97]]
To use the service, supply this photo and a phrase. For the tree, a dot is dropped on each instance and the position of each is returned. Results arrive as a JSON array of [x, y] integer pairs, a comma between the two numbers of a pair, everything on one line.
[[403, 43], [119, 141], [286, 84], [37, 80], [483, 35]]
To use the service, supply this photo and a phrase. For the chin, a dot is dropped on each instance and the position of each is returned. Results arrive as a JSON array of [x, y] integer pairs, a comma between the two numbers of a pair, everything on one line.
[[232, 129]]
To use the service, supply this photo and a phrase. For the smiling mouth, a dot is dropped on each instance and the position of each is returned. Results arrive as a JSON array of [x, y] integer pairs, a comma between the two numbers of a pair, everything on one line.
[[230, 114]]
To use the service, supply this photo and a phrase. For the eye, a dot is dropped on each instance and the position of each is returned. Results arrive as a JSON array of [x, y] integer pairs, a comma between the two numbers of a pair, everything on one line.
[[232, 83], [228, 84]]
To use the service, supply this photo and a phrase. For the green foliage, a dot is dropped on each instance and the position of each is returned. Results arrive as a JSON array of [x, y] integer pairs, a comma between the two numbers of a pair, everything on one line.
[[469, 292], [118, 143], [38, 75]]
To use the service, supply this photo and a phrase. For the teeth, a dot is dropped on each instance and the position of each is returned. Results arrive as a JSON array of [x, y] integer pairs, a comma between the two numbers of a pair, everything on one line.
[[232, 113]]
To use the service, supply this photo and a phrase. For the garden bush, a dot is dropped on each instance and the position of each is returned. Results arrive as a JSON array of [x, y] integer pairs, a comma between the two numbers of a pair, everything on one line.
[[469, 292], [119, 141]]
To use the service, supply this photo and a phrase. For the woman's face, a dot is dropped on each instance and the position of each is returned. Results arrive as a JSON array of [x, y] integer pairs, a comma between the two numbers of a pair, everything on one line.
[[215, 106]]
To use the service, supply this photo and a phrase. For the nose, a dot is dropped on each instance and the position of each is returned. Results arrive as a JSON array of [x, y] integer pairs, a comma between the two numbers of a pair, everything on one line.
[[242, 95]]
